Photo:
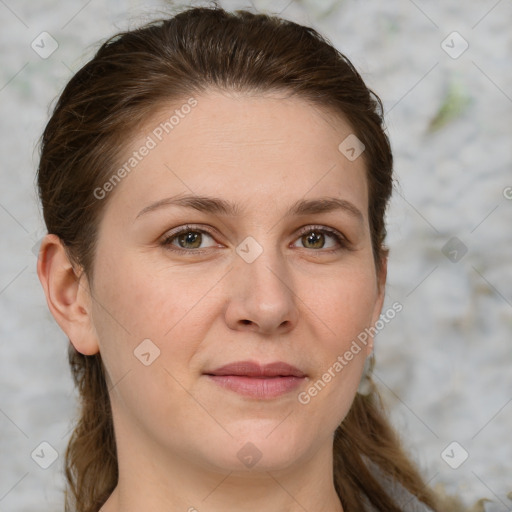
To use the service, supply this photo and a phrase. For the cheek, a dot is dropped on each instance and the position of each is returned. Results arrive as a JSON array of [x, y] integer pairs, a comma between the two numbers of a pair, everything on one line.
[[342, 309], [148, 301], [136, 302], [134, 305], [344, 304]]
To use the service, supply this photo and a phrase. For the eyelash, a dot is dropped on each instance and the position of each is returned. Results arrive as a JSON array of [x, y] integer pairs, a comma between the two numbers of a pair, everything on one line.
[[340, 239]]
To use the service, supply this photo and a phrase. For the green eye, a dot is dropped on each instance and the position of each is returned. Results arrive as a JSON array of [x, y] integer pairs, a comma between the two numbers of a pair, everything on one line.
[[316, 235], [188, 239]]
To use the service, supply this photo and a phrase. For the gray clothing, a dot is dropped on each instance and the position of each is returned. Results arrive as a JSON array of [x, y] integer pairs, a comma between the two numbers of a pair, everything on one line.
[[409, 503]]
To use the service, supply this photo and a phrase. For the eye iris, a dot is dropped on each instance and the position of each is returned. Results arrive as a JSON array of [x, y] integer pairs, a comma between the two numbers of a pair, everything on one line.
[[190, 237], [315, 238]]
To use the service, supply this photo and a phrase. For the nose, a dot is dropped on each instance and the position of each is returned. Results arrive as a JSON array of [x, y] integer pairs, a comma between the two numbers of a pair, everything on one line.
[[262, 295]]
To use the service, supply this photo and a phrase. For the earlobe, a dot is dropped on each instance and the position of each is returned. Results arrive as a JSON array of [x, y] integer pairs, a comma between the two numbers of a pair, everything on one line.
[[67, 296]]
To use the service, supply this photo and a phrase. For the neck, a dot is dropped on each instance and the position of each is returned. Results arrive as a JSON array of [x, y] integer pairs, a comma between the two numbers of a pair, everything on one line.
[[161, 482]]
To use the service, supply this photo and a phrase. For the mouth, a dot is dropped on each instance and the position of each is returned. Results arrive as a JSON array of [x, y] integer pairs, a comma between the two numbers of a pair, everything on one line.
[[259, 381]]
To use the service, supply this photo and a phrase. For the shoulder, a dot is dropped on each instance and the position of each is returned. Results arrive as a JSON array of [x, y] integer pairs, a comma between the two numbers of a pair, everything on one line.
[[403, 498], [410, 503]]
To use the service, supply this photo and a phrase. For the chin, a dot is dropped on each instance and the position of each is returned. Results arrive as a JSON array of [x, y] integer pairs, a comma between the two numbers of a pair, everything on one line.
[[258, 451]]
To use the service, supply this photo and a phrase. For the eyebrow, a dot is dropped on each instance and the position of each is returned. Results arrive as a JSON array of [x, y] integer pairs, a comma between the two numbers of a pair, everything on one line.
[[222, 207]]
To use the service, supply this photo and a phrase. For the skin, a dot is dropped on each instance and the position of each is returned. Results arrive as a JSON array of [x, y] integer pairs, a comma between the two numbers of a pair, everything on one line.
[[177, 433]]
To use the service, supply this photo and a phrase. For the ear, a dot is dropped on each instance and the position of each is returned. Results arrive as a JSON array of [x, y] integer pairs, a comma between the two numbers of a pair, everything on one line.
[[67, 295], [381, 293]]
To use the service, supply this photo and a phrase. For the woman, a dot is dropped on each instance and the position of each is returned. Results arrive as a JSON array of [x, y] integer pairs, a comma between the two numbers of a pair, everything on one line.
[[214, 188]]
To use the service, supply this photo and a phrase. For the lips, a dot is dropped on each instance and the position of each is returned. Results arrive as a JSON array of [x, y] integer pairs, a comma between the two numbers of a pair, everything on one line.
[[258, 381], [255, 370]]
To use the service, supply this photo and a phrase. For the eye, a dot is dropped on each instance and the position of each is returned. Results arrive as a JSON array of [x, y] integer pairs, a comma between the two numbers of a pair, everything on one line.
[[315, 236], [188, 238]]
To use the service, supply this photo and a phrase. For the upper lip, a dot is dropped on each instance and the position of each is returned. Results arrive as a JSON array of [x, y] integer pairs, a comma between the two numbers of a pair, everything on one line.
[[255, 369]]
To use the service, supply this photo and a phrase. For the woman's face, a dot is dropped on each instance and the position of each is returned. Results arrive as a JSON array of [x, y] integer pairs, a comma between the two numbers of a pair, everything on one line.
[[237, 263]]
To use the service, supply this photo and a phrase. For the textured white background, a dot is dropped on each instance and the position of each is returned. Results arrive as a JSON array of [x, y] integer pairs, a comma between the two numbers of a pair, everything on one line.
[[444, 363]]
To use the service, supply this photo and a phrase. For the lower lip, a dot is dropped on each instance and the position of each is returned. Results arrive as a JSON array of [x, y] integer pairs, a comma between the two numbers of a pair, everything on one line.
[[255, 387]]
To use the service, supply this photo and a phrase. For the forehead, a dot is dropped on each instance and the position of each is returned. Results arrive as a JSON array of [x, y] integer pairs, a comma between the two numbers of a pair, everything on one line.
[[245, 148]]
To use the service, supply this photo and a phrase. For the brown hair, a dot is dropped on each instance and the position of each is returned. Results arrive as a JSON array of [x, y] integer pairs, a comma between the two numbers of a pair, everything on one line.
[[130, 77]]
